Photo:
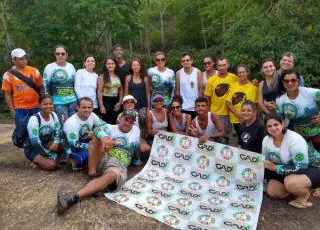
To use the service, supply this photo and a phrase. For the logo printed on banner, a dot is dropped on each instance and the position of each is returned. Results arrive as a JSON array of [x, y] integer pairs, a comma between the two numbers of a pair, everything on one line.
[[178, 169], [185, 142], [205, 147], [158, 192], [226, 153], [241, 216], [165, 137], [153, 200], [167, 186], [222, 181], [183, 156], [184, 202], [178, 210], [173, 180], [138, 185], [250, 159], [158, 163], [152, 173], [144, 208], [212, 210], [162, 151], [194, 195], [120, 198], [248, 188], [220, 193], [215, 201], [195, 186], [205, 219], [244, 206], [225, 168], [200, 175], [145, 179], [130, 191], [236, 226], [170, 219], [249, 175], [203, 162], [246, 198]]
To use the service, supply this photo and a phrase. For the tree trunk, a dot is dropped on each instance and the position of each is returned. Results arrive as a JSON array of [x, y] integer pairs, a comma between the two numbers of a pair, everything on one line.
[[162, 10], [203, 32]]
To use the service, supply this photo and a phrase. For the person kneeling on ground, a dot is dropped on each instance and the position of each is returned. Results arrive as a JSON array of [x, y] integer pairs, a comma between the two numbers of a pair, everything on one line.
[[206, 125], [290, 166], [120, 142], [79, 132], [44, 144]]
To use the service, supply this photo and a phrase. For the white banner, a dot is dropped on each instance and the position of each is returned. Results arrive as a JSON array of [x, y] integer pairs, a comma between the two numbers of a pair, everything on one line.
[[192, 185]]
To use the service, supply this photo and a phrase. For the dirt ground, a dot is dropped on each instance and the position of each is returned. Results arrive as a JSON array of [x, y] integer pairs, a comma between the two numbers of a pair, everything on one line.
[[28, 201]]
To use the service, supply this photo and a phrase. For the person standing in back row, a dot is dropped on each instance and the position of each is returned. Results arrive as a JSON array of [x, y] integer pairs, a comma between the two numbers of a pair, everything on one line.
[[188, 84], [59, 82], [122, 67]]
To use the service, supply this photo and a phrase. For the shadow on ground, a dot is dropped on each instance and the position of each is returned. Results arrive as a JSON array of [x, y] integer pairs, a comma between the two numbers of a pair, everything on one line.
[[28, 201]]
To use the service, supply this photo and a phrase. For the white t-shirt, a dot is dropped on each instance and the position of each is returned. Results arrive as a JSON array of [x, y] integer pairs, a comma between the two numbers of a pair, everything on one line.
[[290, 156], [85, 85], [300, 110], [77, 130], [189, 88]]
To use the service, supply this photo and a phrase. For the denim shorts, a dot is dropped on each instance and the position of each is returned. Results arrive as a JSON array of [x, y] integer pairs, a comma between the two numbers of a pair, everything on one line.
[[80, 158], [65, 111]]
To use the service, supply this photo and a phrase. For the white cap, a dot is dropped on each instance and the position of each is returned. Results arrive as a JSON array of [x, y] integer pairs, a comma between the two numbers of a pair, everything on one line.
[[18, 53], [129, 97]]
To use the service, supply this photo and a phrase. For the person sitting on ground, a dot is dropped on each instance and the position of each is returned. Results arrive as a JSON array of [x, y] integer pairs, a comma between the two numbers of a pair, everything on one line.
[[119, 143], [44, 144], [78, 130], [179, 122], [157, 117], [206, 125], [291, 167], [251, 130]]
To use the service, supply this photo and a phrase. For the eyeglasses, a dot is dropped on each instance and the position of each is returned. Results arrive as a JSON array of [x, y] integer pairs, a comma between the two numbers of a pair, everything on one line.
[[287, 81], [60, 54], [158, 101], [160, 59], [175, 107], [207, 63], [129, 101], [186, 60]]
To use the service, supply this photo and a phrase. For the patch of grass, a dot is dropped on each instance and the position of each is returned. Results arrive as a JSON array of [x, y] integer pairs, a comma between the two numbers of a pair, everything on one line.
[[6, 118]]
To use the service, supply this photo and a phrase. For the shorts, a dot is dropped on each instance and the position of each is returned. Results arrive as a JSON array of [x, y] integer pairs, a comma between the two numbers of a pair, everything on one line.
[[109, 164], [80, 158], [312, 173], [226, 124], [65, 111], [31, 153]]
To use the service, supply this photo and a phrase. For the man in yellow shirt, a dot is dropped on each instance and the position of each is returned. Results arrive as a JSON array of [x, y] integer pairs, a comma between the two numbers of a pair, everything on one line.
[[217, 91]]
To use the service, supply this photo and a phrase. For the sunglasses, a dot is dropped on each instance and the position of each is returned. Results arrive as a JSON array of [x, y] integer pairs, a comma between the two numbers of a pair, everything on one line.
[[60, 54], [175, 107], [287, 81], [160, 59], [186, 60], [129, 101], [158, 101], [207, 63]]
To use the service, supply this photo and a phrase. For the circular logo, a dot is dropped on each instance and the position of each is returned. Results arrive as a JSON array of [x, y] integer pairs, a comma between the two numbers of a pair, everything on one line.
[[154, 201], [162, 151], [178, 169], [238, 97], [299, 157], [222, 89], [215, 201], [203, 162], [246, 198], [45, 133], [241, 216], [60, 76], [167, 186], [290, 111], [195, 186], [83, 132], [120, 198], [155, 81], [152, 173], [138, 185], [184, 202], [205, 219], [170, 219], [226, 153], [222, 181], [249, 175], [185, 142]]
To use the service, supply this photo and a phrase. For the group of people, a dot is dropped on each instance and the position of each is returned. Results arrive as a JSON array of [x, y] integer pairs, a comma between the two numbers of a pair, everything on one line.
[[104, 122]]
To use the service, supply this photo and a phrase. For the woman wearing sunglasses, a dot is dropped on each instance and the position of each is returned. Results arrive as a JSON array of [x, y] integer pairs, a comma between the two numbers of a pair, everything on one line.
[[299, 106], [179, 122], [162, 78], [59, 82], [209, 71]]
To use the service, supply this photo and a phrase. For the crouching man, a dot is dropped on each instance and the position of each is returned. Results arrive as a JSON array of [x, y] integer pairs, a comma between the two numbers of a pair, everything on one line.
[[119, 142]]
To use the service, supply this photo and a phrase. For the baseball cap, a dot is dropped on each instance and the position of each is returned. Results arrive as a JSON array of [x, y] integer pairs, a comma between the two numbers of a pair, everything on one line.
[[18, 53], [129, 97], [158, 96], [129, 113]]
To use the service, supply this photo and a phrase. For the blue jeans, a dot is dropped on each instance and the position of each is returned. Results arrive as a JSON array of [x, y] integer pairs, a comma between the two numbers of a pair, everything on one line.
[[65, 111], [22, 116]]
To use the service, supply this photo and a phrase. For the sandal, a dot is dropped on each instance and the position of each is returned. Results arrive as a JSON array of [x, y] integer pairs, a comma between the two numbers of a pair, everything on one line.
[[300, 205], [316, 192]]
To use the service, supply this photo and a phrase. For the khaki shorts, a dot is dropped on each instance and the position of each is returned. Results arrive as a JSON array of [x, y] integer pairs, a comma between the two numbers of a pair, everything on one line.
[[109, 164]]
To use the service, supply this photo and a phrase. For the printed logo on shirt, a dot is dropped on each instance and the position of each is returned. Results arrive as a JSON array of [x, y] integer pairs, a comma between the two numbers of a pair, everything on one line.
[[60, 76], [274, 157], [34, 132], [83, 133], [238, 97], [155, 80], [299, 157], [245, 137], [72, 136], [45, 133], [290, 110], [222, 89]]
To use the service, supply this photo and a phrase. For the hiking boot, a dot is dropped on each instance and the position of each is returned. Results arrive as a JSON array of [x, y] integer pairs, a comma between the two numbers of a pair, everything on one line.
[[65, 201]]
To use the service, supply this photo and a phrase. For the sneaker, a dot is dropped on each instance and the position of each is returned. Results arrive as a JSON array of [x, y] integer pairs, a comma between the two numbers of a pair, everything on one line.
[[65, 201]]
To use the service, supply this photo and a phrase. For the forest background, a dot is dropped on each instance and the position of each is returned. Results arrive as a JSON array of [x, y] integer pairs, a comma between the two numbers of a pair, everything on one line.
[[245, 31]]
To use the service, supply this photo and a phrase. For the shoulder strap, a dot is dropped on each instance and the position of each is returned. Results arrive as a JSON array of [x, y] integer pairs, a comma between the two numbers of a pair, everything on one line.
[[38, 118], [25, 79]]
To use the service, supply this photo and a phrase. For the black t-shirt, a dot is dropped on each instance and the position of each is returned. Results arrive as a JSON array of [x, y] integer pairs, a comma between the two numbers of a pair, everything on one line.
[[122, 71], [250, 137]]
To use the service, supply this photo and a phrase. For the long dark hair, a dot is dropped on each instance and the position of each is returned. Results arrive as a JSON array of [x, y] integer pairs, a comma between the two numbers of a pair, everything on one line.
[[105, 72], [142, 72]]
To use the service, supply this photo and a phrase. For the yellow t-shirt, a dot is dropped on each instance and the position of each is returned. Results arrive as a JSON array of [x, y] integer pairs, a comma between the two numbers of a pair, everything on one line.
[[218, 88], [238, 94]]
